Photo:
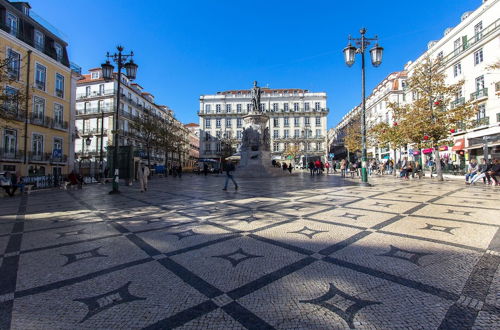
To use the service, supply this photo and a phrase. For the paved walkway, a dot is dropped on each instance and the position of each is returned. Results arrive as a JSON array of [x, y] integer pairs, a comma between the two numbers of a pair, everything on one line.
[[287, 253]]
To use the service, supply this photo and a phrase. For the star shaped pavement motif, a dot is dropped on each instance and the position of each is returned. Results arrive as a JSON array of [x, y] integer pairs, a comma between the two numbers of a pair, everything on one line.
[[382, 204], [344, 305], [251, 218], [74, 257], [352, 216], [443, 229], [72, 233], [410, 256], [237, 256], [466, 213], [107, 300], [306, 231], [184, 234]]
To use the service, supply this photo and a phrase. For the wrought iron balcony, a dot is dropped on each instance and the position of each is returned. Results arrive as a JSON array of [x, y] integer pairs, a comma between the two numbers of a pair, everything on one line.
[[485, 121], [11, 154], [95, 94], [458, 102], [479, 94]]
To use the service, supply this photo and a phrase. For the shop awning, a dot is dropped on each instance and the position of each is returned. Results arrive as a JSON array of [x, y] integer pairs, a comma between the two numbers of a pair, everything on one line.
[[459, 145]]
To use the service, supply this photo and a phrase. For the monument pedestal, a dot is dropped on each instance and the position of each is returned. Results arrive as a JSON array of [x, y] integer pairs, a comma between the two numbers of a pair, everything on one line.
[[255, 149]]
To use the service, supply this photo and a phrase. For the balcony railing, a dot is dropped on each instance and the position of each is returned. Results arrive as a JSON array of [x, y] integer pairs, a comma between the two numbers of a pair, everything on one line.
[[94, 110], [62, 159], [485, 121], [59, 93], [40, 84], [458, 102], [95, 94], [39, 156], [9, 154], [300, 110], [58, 124], [479, 94]]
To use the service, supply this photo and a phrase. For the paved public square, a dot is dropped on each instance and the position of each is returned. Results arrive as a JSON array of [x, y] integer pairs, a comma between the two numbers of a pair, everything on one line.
[[287, 253]]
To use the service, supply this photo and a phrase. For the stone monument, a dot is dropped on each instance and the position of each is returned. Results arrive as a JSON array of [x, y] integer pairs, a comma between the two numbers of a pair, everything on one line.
[[255, 148]]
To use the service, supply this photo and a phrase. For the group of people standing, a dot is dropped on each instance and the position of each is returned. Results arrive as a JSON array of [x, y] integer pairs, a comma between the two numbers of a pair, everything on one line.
[[318, 167]]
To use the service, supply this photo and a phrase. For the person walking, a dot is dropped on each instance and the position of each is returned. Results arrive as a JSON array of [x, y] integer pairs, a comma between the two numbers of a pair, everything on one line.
[[342, 167], [311, 167], [143, 174], [230, 168], [205, 169], [327, 165], [179, 170]]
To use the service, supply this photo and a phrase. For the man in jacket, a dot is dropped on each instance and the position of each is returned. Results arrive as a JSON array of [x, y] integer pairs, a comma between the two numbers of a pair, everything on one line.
[[229, 176]]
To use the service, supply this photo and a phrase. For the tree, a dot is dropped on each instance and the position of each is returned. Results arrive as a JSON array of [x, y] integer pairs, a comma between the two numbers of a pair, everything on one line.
[[352, 140], [11, 100], [388, 136], [428, 119], [165, 138], [146, 130], [291, 150]]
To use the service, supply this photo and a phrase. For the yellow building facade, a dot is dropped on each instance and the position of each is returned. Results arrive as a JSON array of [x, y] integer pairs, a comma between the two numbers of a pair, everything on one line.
[[35, 129]]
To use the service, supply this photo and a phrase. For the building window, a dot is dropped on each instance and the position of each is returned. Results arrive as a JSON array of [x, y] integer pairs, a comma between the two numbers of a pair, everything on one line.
[[457, 69], [207, 108], [207, 123], [11, 101], [238, 108], [276, 122], [478, 57], [217, 123], [285, 106], [12, 24], [479, 83], [286, 121], [307, 121], [481, 111], [207, 136], [217, 108], [38, 107], [59, 51], [58, 144], [39, 41], [317, 106], [37, 146], [228, 122], [94, 75], [262, 107], [296, 133], [478, 30], [318, 133], [10, 142], [276, 147], [208, 147], [318, 121], [276, 134], [239, 122], [239, 135], [228, 108], [295, 107], [275, 107], [249, 107], [40, 76], [296, 121], [286, 134], [101, 89], [58, 114], [318, 146], [306, 106], [59, 85], [13, 64]]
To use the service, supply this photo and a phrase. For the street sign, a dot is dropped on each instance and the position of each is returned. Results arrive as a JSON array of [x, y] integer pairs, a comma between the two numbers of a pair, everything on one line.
[[57, 153]]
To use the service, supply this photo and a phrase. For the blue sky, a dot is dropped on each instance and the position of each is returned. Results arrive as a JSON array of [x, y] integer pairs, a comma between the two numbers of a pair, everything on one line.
[[188, 48]]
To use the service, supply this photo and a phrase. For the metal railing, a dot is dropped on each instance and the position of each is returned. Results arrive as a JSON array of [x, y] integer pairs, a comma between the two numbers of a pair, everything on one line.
[[95, 94], [95, 110], [45, 121], [39, 156], [10, 154], [479, 94], [485, 121], [457, 102]]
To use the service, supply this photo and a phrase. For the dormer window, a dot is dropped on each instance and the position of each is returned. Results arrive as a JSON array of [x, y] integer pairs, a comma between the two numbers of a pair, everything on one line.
[[13, 24], [39, 40], [59, 51], [94, 75]]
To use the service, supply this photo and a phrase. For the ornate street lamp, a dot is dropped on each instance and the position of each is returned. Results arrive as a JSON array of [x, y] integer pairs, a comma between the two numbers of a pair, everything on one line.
[[107, 73], [376, 58]]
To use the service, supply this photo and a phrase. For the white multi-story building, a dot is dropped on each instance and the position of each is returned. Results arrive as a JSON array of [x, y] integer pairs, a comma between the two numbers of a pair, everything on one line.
[[95, 112], [390, 90], [468, 50], [296, 116]]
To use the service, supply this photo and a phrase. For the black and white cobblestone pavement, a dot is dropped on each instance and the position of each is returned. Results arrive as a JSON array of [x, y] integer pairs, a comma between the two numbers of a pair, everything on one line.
[[287, 253]]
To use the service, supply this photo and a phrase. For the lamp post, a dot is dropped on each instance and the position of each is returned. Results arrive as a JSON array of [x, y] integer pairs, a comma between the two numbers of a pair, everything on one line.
[[107, 73], [376, 56]]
